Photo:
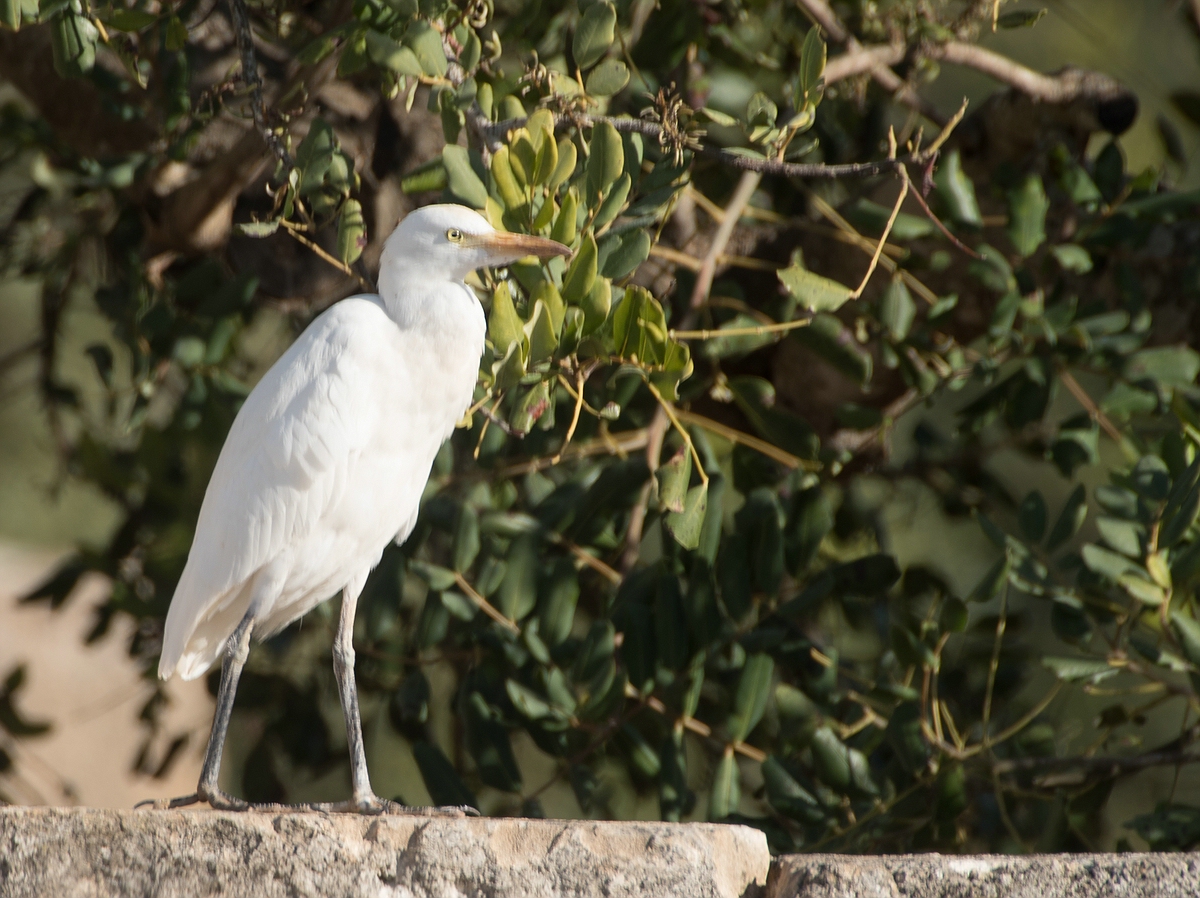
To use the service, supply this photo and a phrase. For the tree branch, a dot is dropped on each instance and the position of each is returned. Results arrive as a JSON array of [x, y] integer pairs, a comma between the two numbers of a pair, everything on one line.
[[245, 44]]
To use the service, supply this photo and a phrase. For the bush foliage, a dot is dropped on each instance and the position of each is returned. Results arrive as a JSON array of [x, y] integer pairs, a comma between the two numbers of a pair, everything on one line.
[[652, 548]]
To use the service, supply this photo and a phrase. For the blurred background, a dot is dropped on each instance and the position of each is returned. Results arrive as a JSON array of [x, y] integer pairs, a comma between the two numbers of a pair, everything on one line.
[[81, 705]]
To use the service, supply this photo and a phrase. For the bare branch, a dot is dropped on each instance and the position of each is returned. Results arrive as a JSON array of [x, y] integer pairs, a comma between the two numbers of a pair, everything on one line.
[[733, 212], [245, 44]]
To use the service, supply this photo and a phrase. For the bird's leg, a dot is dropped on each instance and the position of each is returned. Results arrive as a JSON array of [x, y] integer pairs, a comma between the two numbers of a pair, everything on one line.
[[236, 652], [343, 670], [365, 801]]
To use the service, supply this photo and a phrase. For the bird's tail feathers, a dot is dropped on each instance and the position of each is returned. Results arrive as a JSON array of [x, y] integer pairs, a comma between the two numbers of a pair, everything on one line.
[[191, 646]]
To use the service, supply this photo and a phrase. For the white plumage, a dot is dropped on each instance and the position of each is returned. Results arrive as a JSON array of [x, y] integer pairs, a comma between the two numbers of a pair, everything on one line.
[[327, 459]]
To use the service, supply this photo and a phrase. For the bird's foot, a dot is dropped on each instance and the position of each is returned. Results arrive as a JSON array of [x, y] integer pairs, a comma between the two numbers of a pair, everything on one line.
[[215, 798], [372, 805]]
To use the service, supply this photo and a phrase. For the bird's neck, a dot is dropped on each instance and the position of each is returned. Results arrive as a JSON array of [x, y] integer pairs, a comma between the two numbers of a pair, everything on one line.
[[413, 298]]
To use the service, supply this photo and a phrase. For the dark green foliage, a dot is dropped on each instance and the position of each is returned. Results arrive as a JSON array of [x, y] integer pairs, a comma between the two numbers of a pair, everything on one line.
[[721, 625]]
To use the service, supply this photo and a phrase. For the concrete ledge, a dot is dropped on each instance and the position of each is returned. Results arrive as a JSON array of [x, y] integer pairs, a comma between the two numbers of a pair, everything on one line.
[[987, 876], [82, 853]]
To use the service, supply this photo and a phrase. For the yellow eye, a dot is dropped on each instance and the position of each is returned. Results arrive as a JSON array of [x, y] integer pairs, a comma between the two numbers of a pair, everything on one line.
[[454, 235]]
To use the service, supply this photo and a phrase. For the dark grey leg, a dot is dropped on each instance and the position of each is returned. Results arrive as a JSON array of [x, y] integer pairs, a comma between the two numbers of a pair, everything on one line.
[[236, 652]]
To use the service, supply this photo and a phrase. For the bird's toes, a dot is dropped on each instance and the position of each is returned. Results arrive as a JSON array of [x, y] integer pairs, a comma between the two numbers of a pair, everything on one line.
[[223, 801], [165, 804]]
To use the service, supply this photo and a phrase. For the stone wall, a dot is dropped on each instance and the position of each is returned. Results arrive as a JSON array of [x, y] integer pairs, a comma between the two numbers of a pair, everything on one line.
[[82, 853]]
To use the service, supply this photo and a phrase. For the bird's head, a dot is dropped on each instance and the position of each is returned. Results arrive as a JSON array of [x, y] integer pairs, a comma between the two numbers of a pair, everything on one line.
[[447, 242]]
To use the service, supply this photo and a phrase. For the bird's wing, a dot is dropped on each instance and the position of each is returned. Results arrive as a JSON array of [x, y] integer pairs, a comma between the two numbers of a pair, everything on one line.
[[284, 463]]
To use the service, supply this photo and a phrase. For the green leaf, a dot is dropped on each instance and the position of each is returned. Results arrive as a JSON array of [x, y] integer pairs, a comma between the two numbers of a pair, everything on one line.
[[1187, 631], [427, 177], [1124, 536], [518, 589], [540, 331], [508, 371], [176, 34], [567, 157], [1072, 257], [606, 159], [632, 250], [951, 790], [834, 342], [640, 327], [1027, 208], [831, 760], [581, 273], [73, 44], [566, 222], [128, 20], [897, 309], [1142, 589], [426, 43], [533, 405], [528, 703], [10, 16], [445, 786], [673, 479], [1031, 516], [466, 538], [812, 68], [957, 192], [504, 324], [1021, 18], [594, 34], [726, 792], [613, 202], [1072, 670], [753, 690], [607, 78], [512, 194], [438, 578], [461, 177], [1174, 366], [1105, 563], [786, 795], [351, 233], [389, 54], [815, 293], [992, 581], [556, 604], [596, 305], [686, 526]]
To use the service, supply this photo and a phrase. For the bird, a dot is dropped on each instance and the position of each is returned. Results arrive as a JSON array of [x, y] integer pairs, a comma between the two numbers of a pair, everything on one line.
[[325, 465]]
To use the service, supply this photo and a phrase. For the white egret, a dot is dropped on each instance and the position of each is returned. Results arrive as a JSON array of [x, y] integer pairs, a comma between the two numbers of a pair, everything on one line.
[[326, 462]]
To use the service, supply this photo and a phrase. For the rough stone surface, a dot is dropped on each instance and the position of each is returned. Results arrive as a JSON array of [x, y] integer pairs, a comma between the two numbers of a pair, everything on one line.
[[82, 853], [986, 876]]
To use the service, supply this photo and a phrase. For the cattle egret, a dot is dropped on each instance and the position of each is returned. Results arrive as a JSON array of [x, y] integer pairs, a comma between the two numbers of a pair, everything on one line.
[[325, 465]]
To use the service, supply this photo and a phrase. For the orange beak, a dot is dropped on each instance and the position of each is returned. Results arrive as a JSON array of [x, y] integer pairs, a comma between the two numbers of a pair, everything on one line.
[[504, 247]]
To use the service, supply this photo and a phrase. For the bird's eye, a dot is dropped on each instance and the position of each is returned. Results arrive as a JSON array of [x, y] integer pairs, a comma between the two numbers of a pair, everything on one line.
[[454, 235]]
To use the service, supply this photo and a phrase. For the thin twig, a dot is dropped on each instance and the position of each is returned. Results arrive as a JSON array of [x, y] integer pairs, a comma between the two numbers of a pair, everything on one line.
[[752, 442], [484, 605], [1089, 405], [699, 727], [610, 574], [295, 231], [258, 108], [733, 212], [670, 412], [578, 394], [887, 228], [619, 444], [758, 331], [998, 640]]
